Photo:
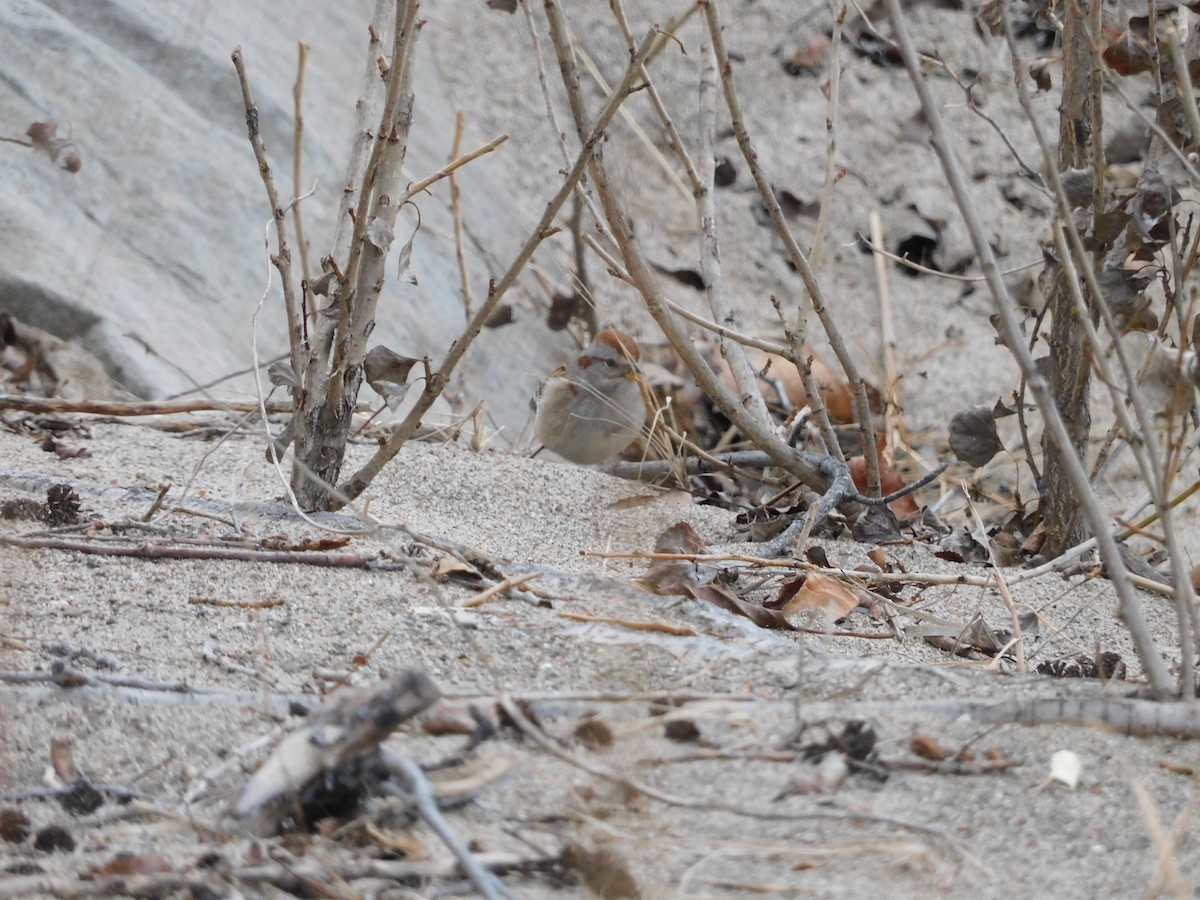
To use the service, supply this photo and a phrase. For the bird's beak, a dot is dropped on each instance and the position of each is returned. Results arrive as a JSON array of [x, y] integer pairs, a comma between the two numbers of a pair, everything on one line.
[[633, 376]]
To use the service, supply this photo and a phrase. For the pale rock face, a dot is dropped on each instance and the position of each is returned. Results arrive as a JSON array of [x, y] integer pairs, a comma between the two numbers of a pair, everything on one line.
[[158, 239]]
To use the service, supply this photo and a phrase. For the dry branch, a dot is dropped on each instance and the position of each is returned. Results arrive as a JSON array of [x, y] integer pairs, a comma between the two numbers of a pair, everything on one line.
[[55, 406], [169, 550], [282, 258]]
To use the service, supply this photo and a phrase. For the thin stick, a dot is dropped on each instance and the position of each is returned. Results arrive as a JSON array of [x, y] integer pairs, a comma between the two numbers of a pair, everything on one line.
[[199, 388], [560, 136], [663, 627], [740, 337], [170, 550], [1185, 81], [453, 166], [298, 157], [831, 118], [283, 257], [420, 794], [660, 109], [887, 330], [57, 406], [1018, 640], [1150, 459], [651, 148], [499, 587], [715, 288], [949, 276], [460, 253], [540, 738], [762, 433]]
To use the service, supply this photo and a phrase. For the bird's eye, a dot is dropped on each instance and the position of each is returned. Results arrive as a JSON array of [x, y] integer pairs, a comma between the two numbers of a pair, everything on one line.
[[611, 363]]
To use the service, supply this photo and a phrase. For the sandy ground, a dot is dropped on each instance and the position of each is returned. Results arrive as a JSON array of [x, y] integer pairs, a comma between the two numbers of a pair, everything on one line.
[[993, 835], [729, 832]]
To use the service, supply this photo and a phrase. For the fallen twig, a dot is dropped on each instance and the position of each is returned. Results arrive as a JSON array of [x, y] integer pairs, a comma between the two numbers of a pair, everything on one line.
[[420, 794], [57, 406], [170, 550], [665, 628], [499, 587]]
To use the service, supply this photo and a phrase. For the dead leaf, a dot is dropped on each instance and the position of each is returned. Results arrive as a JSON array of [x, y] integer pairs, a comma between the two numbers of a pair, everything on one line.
[[593, 734], [404, 270], [568, 307], [876, 525], [1166, 375], [673, 576], [777, 374], [281, 374], [63, 760], [602, 869], [508, 6], [447, 567], [808, 60], [924, 746], [759, 615], [667, 498], [14, 825], [1039, 71], [725, 173], [973, 436], [500, 316], [449, 717], [682, 731], [889, 482], [380, 234], [815, 590], [387, 373], [1129, 53]]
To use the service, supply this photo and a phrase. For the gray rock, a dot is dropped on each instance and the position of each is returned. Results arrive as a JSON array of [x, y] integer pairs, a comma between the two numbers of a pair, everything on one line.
[[152, 256]]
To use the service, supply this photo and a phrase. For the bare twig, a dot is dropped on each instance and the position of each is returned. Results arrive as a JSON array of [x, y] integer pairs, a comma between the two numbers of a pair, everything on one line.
[[58, 406], [172, 550], [560, 136], [456, 211], [499, 588], [282, 258], [298, 157], [715, 287], [451, 167], [887, 329], [1150, 458], [949, 276], [831, 119], [420, 794], [660, 109]]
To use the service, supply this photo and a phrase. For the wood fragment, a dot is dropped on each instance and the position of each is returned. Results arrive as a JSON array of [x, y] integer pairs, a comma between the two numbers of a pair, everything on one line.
[[498, 588], [665, 628], [58, 406]]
